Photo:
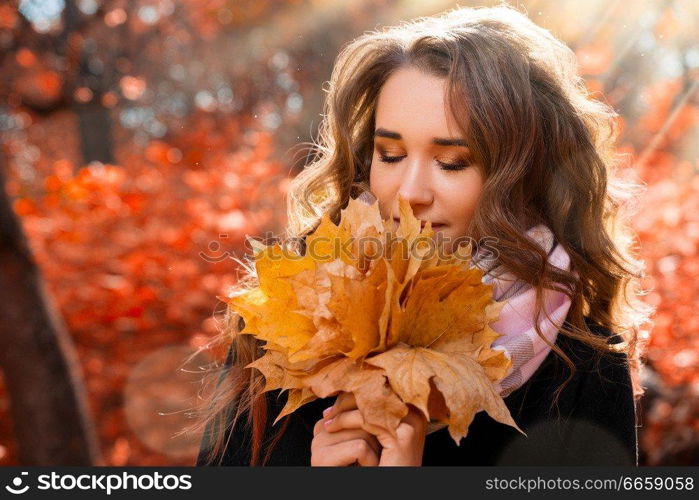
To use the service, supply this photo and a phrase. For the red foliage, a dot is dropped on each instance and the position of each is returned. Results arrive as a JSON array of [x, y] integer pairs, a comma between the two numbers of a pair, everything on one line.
[[121, 247]]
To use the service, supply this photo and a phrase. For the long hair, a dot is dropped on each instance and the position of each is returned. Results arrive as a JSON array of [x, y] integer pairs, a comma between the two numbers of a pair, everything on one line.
[[547, 149]]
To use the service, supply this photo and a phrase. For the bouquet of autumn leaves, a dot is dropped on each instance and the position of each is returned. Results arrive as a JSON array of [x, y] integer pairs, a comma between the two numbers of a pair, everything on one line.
[[374, 312]]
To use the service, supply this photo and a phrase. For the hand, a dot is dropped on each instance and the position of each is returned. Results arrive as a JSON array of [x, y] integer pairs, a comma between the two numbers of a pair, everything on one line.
[[343, 447], [406, 449]]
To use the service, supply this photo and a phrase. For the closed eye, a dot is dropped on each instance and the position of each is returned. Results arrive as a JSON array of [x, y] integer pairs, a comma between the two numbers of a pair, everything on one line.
[[444, 165], [391, 159]]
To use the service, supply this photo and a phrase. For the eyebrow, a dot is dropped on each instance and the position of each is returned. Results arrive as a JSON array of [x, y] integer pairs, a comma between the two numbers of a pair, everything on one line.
[[440, 141]]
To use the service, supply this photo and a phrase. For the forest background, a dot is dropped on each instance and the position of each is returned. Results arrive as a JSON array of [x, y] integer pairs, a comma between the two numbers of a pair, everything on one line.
[[140, 141]]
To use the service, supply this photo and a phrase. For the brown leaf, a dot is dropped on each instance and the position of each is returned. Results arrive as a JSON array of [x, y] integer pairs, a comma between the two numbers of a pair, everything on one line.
[[459, 378], [379, 404]]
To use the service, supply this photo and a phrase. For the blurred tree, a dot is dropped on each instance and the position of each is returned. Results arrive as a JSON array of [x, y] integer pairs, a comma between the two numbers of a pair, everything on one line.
[[58, 71], [95, 123], [42, 373]]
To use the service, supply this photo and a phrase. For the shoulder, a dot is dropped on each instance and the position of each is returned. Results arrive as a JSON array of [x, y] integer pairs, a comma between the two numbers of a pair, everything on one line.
[[595, 375], [591, 408], [593, 366]]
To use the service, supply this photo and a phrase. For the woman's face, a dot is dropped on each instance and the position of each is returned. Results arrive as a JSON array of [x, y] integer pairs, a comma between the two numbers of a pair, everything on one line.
[[417, 155]]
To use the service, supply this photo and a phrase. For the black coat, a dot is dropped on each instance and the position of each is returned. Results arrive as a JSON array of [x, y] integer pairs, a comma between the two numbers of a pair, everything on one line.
[[594, 422]]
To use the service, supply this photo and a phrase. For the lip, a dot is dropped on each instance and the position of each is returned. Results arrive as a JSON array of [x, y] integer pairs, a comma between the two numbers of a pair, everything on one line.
[[422, 223]]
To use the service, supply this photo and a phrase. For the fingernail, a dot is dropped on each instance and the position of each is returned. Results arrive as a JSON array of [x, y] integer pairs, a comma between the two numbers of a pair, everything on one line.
[[327, 422], [327, 410]]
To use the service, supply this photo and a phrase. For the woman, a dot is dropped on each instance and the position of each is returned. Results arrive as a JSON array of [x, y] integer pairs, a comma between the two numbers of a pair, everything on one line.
[[478, 119]]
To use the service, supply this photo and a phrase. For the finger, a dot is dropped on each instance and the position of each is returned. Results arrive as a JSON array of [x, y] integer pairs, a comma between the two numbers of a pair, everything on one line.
[[344, 401], [343, 423], [412, 426], [415, 417], [349, 429], [318, 427], [331, 438], [370, 458], [346, 453], [351, 419], [354, 419]]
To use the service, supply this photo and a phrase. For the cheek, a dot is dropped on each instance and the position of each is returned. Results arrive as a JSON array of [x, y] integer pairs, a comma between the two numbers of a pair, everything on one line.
[[384, 187], [463, 196]]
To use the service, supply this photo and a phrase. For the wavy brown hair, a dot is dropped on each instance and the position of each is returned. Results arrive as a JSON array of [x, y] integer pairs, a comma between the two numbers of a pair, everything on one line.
[[547, 150]]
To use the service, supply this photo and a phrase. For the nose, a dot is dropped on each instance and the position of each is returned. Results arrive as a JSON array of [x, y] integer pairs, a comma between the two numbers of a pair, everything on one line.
[[416, 186]]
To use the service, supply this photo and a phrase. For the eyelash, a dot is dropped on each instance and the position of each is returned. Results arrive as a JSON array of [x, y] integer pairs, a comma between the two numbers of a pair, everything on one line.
[[449, 167]]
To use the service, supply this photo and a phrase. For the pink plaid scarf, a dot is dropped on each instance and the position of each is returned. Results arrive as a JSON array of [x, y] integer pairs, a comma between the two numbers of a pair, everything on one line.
[[516, 322]]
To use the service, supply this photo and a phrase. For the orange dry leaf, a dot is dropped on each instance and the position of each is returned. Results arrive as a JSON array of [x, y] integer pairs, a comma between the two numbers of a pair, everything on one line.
[[378, 313]]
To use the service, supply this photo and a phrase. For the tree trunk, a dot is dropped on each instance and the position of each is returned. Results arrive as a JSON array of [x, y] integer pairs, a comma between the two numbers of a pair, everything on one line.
[[95, 131], [95, 123], [42, 373]]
